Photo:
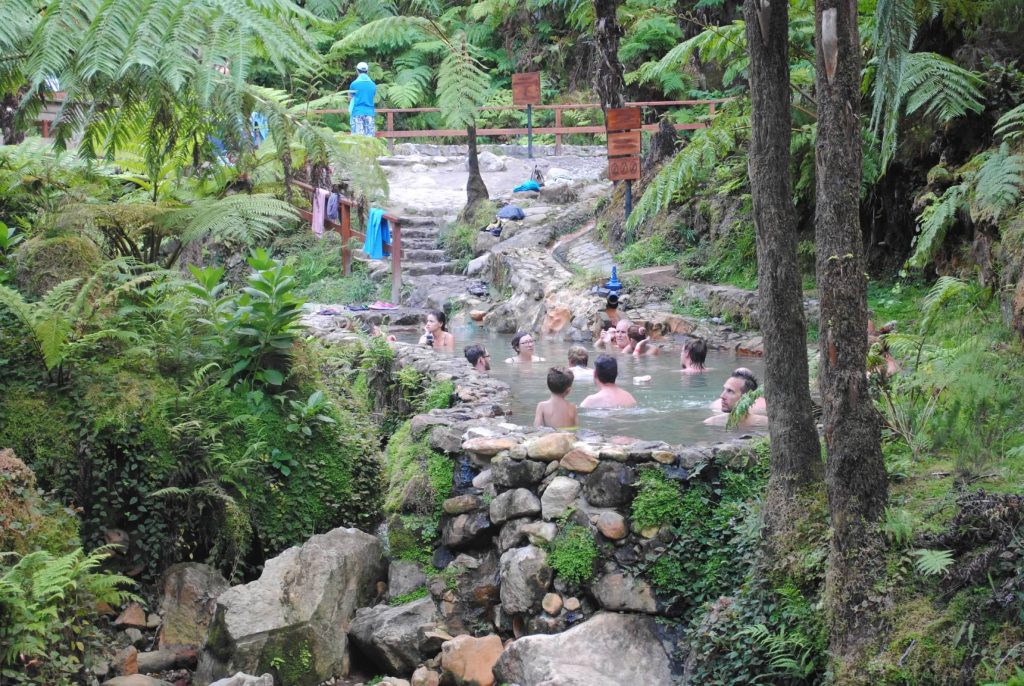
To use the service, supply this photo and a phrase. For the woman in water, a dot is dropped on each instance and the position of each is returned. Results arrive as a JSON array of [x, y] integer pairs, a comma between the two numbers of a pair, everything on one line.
[[523, 344], [436, 333]]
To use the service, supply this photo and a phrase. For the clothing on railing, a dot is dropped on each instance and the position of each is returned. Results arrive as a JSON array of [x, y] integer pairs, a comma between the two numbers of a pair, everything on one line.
[[378, 232], [319, 203], [332, 208]]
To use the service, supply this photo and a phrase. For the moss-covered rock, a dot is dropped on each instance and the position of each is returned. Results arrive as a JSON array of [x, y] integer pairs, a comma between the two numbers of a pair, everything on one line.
[[42, 263], [28, 521]]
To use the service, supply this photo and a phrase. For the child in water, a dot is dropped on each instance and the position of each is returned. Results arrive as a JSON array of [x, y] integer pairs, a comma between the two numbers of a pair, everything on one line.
[[556, 411]]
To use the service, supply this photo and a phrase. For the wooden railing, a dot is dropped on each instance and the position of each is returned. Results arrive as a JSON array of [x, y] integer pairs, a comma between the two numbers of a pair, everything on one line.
[[558, 129], [344, 228]]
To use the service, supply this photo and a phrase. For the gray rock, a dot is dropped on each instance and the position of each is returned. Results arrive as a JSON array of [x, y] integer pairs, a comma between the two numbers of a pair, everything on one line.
[[190, 592], [395, 638], [465, 529], [302, 604], [241, 679], [470, 592], [133, 635], [514, 504], [621, 592], [163, 660], [610, 485], [606, 650], [479, 266], [489, 162], [404, 576], [525, 578], [559, 496], [461, 504], [483, 479], [509, 473], [135, 680]]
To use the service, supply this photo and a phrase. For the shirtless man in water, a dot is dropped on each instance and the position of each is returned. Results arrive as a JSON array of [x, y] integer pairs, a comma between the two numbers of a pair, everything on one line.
[[608, 395], [742, 381]]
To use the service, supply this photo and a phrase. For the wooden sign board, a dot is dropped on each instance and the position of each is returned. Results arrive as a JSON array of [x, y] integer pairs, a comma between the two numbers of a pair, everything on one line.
[[623, 119], [623, 168], [526, 88], [623, 143]]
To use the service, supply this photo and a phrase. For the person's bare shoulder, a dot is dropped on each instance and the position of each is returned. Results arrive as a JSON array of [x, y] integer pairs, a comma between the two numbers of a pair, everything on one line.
[[717, 420]]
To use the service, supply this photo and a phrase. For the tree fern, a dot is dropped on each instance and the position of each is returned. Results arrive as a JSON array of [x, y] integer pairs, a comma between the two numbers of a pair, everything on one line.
[[386, 32], [1011, 125], [242, 218], [939, 87], [462, 83], [998, 184], [933, 223]]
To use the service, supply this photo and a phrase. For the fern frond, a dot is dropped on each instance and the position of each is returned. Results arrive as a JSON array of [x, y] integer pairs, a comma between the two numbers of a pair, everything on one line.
[[241, 218], [933, 562], [389, 32], [1011, 125], [940, 87], [462, 84], [998, 184], [933, 223]]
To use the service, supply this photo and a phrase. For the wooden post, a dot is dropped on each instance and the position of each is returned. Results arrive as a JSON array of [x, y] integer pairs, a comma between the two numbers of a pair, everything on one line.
[[391, 128], [396, 263], [558, 136], [711, 108], [346, 236]]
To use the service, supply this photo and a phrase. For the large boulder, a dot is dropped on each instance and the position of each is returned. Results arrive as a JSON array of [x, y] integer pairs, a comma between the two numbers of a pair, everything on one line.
[[190, 592], [404, 576], [241, 679], [621, 592], [397, 639], [465, 530], [510, 473], [295, 618], [469, 661], [610, 485], [525, 578], [520, 502], [607, 650]]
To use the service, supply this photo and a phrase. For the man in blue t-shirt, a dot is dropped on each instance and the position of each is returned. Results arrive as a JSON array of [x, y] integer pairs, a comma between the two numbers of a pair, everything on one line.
[[362, 93]]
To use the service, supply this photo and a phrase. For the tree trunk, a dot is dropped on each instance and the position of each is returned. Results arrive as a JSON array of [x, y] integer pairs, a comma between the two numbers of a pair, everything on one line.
[[608, 80], [796, 454], [476, 190], [855, 475], [9, 133]]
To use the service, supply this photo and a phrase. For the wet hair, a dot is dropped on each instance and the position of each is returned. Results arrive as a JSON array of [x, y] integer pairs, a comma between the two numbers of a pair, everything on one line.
[[634, 333], [607, 324], [559, 380], [697, 350], [518, 337], [606, 368], [474, 352], [441, 318], [748, 378], [578, 355]]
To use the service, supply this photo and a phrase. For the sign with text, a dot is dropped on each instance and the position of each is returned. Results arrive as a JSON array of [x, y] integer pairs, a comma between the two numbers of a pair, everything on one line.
[[623, 168], [526, 88], [623, 126], [623, 119], [623, 143]]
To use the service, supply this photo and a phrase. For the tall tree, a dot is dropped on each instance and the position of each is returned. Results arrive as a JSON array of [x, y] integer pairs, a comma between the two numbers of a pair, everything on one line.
[[796, 456], [855, 475], [608, 80]]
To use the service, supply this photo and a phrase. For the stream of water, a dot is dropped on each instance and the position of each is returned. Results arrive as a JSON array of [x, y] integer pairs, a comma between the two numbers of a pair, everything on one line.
[[671, 407]]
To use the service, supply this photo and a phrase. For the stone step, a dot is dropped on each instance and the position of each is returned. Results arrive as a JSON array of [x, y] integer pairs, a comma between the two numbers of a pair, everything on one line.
[[419, 243], [415, 220], [421, 233], [423, 255], [425, 268]]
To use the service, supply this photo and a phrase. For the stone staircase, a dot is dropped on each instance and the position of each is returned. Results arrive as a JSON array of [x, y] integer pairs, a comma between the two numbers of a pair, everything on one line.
[[422, 254]]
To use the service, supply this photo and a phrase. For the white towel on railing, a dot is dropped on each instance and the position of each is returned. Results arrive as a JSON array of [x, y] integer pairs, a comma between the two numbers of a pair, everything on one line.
[[319, 206]]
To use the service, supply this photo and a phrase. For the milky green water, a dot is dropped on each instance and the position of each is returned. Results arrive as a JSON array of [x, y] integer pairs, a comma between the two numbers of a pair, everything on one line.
[[671, 407]]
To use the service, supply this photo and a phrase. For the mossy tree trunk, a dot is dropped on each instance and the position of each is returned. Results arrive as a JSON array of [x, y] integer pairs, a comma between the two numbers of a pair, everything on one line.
[[855, 475], [608, 80], [476, 189], [796, 455]]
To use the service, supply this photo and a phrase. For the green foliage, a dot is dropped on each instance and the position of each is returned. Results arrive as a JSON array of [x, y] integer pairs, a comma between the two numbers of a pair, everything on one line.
[[437, 396], [28, 521], [657, 500], [48, 604], [9, 240], [441, 474], [409, 597], [933, 562], [650, 251], [898, 526], [790, 655], [572, 554]]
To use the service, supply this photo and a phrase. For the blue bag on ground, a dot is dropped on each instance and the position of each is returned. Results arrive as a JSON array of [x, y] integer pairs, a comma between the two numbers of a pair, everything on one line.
[[511, 212], [530, 185], [378, 232]]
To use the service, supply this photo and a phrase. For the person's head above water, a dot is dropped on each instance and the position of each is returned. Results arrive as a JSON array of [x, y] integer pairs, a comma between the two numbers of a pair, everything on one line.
[[696, 350], [559, 380], [741, 381], [523, 339], [636, 333], [477, 356], [578, 356], [606, 369], [362, 68], [437, 320]]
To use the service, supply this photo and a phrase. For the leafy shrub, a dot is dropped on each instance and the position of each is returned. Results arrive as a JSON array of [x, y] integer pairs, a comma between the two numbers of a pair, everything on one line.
[[41, 263], [27, 520], [573, 553], [47, 607], [657, 500], [650, 251]]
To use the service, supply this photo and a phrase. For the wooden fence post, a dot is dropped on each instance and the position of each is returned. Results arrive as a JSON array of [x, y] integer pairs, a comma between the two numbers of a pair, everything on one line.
[[391, 128], [346, 236], [558, 136]]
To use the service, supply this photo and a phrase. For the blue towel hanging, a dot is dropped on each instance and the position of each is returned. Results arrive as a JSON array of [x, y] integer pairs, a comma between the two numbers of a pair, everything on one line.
[[378, 232]]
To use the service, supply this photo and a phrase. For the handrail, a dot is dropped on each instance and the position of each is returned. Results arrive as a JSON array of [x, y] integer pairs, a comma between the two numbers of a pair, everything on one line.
[[558, 130], [344, 228]]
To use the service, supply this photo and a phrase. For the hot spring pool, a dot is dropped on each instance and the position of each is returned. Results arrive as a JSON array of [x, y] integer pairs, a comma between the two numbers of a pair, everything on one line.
[[671, 407]]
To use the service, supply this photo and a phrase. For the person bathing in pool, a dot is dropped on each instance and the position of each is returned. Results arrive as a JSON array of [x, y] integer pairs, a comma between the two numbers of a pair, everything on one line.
[[691, 360], [740, 382], [608, 395], [556, 411], [640, 343], [759, 406], [523, 344], [436, 334]]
